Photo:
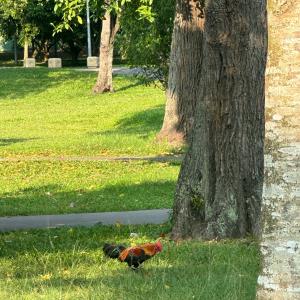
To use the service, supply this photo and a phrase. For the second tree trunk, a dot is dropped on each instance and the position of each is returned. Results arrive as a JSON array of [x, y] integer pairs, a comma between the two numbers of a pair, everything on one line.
[[220, 183], [185, 64]]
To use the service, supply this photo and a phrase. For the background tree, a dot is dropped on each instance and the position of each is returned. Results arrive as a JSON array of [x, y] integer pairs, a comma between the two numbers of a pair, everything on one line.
[[69, 30], [111, 11], [110, 27], [219, 188], [146, 43], [20, 27], [32, 23], [40, 14], [9, 29]]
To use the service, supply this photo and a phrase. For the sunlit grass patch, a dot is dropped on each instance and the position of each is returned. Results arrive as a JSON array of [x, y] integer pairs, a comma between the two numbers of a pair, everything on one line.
[[54, 112]]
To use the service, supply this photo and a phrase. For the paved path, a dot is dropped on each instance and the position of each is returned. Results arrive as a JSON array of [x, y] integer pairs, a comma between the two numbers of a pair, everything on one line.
[[116, 70], [153, 216], [165, 158]]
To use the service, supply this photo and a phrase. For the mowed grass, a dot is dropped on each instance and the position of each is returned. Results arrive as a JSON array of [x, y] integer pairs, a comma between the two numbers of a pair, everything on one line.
[[54, 112], [30, 188], [69, 264]]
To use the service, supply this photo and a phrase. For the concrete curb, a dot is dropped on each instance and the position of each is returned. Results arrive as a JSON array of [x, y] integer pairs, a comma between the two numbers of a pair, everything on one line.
[[165, 158], [153, 216]]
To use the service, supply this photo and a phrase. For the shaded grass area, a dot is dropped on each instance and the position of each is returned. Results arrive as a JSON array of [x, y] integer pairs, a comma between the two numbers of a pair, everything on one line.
[[54, 112], [69, 187], [9, 63], [69, 264]]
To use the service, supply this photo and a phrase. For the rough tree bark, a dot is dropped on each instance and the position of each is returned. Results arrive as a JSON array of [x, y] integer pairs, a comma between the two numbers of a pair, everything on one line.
[[280, 245], [110, 27], [185, 63], [219, 188]]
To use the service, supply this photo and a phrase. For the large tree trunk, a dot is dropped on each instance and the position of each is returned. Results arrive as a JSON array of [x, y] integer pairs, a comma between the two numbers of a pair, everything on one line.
[[185, 63], [219, 188], [280, 245], [110, 27]]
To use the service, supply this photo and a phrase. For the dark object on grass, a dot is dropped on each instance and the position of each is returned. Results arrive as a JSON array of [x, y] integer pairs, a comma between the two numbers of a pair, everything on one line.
[[133, 256]]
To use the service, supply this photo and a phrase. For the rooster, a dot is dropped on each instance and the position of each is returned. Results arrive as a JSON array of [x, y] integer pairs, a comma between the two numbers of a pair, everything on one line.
[[133, 256]]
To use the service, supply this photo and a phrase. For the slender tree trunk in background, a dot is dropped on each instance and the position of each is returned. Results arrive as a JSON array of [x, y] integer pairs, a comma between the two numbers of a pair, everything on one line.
[[26, 46], [46, 51], [280, 246], [184, 78], [15, 50], [219, 188], [110, 27]]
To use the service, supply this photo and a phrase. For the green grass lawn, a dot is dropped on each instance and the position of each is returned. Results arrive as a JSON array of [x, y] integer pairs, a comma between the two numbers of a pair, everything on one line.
[[53, 112], [69, 264], [68, 187]]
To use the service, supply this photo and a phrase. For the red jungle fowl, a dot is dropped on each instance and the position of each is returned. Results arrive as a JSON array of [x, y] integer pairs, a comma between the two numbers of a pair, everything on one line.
[[133, 256]]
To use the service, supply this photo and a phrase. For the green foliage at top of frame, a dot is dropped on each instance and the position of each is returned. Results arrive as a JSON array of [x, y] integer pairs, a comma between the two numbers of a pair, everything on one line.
[[148, 44]]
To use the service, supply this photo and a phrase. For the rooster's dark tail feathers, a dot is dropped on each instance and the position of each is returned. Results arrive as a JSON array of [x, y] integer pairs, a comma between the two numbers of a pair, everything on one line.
[[113, 251]]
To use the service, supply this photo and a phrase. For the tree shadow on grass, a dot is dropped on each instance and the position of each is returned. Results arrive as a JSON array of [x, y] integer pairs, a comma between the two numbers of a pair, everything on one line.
[[65, 239], [134, 83], [18, 83], [142, 123], [41, 190], [51, 199], [9, 141]]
